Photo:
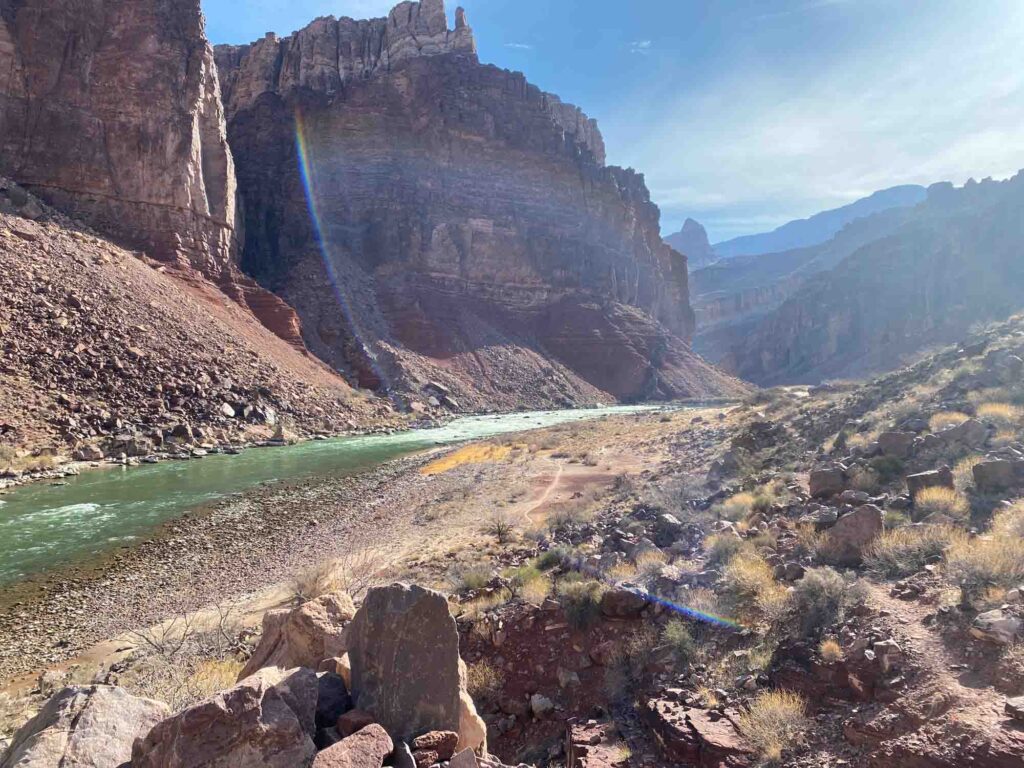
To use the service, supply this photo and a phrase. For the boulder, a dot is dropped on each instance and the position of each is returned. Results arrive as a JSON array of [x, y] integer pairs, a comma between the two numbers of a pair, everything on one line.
[[354, 720], [853, 533], [624, 601], [89, 453], [366, 749], [332, 699], [997, 475], [998, 626], [971, 433], [84, 727], [406, 670], [1015, 708], [264, 721], [303, 636], [442, 743], [899, 445], [465, 759], [827, 481], [942, 477], [698, 737]]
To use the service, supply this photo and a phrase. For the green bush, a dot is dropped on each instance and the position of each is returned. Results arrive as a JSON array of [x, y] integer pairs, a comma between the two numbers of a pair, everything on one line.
[[823, 597], [553, 558], [581, 601], [677, 635]]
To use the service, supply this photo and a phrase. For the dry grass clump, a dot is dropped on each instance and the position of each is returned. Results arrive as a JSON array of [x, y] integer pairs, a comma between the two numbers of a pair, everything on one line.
[[354, 572], [963, 472], [1004, 437], [469, 578], [994, 560], [776, 722], [581, 601], [484, 681], [1001, 414], [676, 635], [180, 683], [824, 596], [946, 419], [742, 505], [625, 671], [831, 651], [905, 551], [477, 607], [649, 563], [942, 501], [723, 547], [529, 583], [751, 586], [7, 455]]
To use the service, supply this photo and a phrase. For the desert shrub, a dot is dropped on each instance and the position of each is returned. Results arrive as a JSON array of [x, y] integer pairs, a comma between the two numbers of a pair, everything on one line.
[[866, 480], [1011, 670], [649, 563], [905, 551], [722, 547], [353, 572], [676, 635], [743, 505], [776, 722], [823, 597], [946, 419], [7, 455], [625, 670], [942, 501], [1003, 438], [995, 560], [501, 527], [529, 583], [963, 471], [484, 681], [551, 559], [831, 651], [479, 606], [581, 601], [181, 682], [887, 468], [469, 578], [750, 585], [1001, 414]]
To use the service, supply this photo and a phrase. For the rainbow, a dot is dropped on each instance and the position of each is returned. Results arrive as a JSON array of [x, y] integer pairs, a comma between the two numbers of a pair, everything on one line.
[[308, 175]]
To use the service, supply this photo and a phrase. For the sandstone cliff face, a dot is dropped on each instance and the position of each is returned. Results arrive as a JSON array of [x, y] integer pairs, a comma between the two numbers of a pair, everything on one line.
[[110, 110], [955, 261], [464, 228]]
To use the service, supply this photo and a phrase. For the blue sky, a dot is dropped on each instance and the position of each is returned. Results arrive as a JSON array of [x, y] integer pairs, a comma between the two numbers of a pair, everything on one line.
[[749, 113]]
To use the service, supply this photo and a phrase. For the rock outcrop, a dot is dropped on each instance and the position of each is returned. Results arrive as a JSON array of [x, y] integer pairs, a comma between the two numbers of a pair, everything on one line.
[[84, 727], [692, 242], [111, 111], [435, 219], [265, 721], [406, 670]]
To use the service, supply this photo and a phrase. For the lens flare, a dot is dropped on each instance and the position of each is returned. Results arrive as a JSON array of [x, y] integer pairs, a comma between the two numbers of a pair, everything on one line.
[[308, 173]]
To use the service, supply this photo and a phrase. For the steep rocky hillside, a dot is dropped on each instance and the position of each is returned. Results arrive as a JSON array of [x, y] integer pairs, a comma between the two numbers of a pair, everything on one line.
[[433, 218], [105, 349], [692, 242], [954, 261]]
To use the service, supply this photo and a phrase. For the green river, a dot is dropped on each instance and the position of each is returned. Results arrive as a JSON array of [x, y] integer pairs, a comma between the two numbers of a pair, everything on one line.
[[43, 526]]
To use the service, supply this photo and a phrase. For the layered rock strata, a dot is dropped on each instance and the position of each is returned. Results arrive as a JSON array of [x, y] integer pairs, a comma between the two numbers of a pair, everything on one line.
[[435, 219]]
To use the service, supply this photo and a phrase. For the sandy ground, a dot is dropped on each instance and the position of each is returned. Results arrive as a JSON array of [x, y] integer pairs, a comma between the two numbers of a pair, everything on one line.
[[417, 518]]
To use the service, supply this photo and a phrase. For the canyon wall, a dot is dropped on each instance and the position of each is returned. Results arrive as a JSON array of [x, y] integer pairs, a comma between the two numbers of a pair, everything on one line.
[[110, 110], [952, 262], [435, 219]]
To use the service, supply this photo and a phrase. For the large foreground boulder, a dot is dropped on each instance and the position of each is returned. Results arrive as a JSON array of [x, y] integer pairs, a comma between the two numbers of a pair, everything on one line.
[[84, 727], [303, 636], [406, 671], [365, 749], [265, 721]]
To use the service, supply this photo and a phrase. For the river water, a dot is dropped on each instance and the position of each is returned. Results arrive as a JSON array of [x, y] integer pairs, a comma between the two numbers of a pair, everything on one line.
[[45, 526]]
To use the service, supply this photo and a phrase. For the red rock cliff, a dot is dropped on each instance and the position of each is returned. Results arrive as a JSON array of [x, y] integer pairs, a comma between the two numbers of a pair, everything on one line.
[[457, 224]]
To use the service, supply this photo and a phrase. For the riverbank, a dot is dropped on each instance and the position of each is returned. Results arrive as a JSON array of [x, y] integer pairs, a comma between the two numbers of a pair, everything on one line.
[[415, 524]]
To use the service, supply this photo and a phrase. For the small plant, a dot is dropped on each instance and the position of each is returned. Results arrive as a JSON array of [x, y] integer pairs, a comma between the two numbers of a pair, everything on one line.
[[1009, 521], [743, 505], [581, 601], [963, 472], [823, 596], [751, 586], [500, 527], [625, 671], [1000, 414], [677, 636], [649, 563], [994, 560], [484, 682], [776, 722], [939, 500], [905, 551], [831, 651], [945, 419], [467, 579], [887, 468], [722, 547], [7, 455], [551, 559], [529, 583]]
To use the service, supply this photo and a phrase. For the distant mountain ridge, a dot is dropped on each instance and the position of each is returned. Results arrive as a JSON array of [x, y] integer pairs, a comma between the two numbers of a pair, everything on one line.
[[821, 226]]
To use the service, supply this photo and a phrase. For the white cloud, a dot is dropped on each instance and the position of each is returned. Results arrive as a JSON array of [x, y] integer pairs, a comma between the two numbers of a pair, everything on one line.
[[519, 46], [641, 46], [755, 145]]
